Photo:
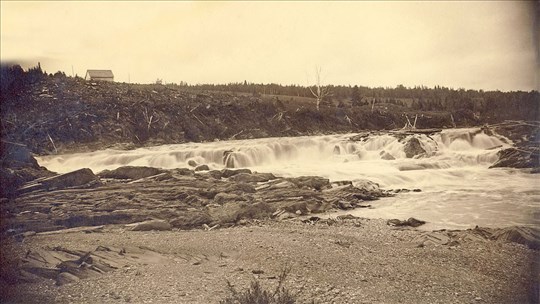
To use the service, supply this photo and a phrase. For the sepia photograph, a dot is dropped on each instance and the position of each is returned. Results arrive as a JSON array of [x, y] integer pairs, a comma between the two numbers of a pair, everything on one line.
[[270, 152]]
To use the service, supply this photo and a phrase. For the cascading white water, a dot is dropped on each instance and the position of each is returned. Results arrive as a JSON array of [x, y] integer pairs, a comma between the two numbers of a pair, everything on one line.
[[458, 189]]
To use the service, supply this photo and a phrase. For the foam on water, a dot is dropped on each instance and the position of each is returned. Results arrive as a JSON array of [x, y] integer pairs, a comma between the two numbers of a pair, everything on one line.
[[458, 189]]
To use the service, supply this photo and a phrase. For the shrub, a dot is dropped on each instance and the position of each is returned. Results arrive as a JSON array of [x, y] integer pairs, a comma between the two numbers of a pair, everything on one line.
[[256, 294]]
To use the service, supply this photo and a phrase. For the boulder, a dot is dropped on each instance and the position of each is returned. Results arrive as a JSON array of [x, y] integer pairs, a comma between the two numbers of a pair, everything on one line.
[[130, 172], [192, 163], [367, 185], [227, 214], [296, 207], [315, 182], [345, 205], [209, 193], [18, 166], [92, 218], [222, 198], [239, 188], [202, 168], [514, 158], [252, 178], [191, 219], [364, 195], [259, 210], [226, 173], [16, 155], [413, 148], [527, 236], [183, 171], [341, 183], [12, 179], [81, 177], [215, 174], [412, 222], [386, 156], [158, 225]]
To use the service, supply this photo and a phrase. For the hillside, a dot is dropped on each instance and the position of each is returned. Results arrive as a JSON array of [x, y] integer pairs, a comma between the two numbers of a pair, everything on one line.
[[53, 114]]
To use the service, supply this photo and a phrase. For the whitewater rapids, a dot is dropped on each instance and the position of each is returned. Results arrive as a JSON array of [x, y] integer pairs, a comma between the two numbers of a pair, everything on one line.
[[458, 189]]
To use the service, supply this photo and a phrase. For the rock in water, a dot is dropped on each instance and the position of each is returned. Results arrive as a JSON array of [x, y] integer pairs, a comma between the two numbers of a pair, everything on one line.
[[202, 168], [130, 172], [514, 158], [413, 148], [386, 156]]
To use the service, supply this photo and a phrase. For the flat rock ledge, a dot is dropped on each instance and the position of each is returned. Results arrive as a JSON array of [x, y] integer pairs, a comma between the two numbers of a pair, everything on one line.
[[182, 198]]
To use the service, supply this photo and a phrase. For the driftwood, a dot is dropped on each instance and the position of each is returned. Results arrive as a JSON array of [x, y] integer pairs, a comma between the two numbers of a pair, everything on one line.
[[234, 136], [52, 142], [415, 131], [197, 118]]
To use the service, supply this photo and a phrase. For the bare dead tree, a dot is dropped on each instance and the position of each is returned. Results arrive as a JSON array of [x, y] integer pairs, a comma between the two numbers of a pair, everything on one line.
[[149, 118], [408, 125], [319, 91]]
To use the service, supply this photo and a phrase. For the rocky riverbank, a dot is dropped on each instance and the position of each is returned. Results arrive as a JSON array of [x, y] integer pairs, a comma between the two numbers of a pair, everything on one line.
[[142, 234], [185, 198], [351, 260], [526, 150]]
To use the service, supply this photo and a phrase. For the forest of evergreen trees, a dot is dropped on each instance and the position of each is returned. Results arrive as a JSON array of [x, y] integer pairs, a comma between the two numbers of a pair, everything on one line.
[[494, 104]]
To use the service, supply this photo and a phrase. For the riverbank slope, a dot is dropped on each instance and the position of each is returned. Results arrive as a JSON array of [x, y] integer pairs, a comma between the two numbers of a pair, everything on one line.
[[351, 261]]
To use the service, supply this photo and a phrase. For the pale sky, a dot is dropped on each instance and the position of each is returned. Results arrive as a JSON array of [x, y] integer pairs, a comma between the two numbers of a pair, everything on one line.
[[473, 45]]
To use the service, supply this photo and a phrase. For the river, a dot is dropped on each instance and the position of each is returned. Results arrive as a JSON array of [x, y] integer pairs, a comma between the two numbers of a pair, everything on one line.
[[458, 189]]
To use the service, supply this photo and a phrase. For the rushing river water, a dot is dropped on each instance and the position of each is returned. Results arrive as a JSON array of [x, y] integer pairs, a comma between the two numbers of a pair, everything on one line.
[[458, 189]]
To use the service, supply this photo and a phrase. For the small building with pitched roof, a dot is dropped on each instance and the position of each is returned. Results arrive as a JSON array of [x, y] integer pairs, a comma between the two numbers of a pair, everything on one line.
[[99, 75]]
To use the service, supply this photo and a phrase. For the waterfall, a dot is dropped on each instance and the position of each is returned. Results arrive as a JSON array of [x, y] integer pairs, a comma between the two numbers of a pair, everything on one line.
[[450, 167], [458, 147]]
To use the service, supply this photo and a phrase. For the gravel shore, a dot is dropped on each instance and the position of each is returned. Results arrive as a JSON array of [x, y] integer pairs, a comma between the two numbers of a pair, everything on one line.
[[356, 261]]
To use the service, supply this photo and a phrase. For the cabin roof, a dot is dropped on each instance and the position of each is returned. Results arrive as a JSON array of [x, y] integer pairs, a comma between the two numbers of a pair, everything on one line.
[[100, 73]]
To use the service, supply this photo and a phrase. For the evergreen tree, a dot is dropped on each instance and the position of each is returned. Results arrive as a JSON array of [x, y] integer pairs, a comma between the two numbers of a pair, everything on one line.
[[355, 96]]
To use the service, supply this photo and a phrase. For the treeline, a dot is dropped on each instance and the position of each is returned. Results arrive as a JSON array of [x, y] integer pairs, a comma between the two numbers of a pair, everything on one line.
[[491, 105], [13, 79]]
